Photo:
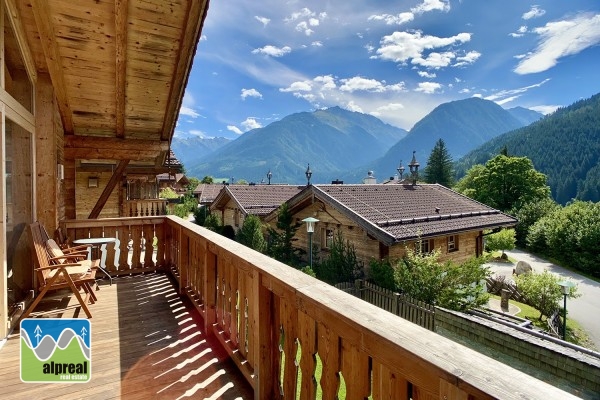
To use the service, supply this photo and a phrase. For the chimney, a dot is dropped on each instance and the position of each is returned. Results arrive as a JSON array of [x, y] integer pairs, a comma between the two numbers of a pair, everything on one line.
[[370, 179]]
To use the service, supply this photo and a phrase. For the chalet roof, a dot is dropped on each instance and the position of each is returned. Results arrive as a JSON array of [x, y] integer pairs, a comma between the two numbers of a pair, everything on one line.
[[207, 192], [119, 70], [256, 199], [394, 213], [172, 177]]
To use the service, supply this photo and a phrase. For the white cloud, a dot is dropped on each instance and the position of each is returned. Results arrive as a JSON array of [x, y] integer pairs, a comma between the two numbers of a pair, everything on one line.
[[389, 19], [544, 109], [250, 93], [188, 111], [431, 5], [467, 59], [500, 96], [435, 60], [535, 12], [313, 22], [352, 106], [520, 32], [317, 43], [358, 83], [390, 107], [428, 87], [465, 90], [559, 39], [234, 129], [304, 86], [305, 12], [402, 46], [251, 123], [425, 74], [262, 20], [303, 27], [272, 51], [327, 82], [508, 99]]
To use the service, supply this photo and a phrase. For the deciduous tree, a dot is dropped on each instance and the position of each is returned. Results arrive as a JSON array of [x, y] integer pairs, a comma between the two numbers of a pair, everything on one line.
[[505, 183]]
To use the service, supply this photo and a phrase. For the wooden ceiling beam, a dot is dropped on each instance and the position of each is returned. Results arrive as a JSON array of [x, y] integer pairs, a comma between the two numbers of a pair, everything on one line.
[[110, 186], [196, 13], [101, 148], [41, 15], [121, 12], [21, 38]]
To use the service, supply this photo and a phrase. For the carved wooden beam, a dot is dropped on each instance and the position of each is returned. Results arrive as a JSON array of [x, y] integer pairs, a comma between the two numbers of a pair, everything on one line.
[[121, 8], [189, 39], [41, 14], [106, 148], [114, 179]]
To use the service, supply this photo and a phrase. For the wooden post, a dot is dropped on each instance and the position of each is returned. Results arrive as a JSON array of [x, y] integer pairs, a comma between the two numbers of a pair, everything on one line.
[[265, 381], [210, 288], [115, 178]]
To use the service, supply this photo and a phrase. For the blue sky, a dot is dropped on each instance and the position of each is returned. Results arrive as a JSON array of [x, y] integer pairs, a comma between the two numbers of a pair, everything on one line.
[[258, 61]]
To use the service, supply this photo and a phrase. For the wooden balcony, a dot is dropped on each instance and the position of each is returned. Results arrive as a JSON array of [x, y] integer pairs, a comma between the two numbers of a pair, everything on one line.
[[263, 315]]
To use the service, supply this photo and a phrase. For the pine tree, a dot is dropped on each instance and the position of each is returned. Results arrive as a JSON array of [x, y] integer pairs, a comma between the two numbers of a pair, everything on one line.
[[439, 166]]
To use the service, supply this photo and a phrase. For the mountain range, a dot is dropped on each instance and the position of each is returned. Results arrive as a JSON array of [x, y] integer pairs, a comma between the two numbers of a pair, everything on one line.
[[192, 148], [564, 145], [331, 141], [463, 125]]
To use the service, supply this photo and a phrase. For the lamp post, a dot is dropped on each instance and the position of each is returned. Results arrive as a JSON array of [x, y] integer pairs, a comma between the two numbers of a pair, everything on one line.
[[308, 174], [269, 176], [565, 287], [310, 228]]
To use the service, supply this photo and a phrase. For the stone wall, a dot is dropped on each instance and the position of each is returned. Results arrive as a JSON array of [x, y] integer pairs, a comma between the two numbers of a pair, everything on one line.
[[567, 368]]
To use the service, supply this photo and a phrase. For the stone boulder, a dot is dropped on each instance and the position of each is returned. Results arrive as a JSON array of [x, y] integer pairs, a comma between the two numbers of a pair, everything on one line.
[[522, 268]]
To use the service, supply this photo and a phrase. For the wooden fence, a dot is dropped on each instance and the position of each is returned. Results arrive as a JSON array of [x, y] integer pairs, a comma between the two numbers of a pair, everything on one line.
[[413, 310]]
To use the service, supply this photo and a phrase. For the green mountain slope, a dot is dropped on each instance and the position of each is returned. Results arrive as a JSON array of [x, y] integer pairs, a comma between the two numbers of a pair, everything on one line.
[[525, 115], [462, 124], [564, 145], [331, 140]]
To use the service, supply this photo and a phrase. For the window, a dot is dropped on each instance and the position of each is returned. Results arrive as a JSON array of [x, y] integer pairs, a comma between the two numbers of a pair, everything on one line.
[[424, 245], [326, 238], [452, 243]]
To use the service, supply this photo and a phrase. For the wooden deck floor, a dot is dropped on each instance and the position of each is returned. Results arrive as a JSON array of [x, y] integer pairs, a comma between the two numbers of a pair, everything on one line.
[[146, 344]]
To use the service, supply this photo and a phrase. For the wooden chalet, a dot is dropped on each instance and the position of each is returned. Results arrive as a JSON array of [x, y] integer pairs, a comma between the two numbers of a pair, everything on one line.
[[92, 89], [206, 193], [235, 202], [383, 220]]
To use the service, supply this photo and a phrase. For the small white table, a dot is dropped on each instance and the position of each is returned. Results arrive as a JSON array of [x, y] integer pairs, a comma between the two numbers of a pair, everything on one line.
[[96, 244]]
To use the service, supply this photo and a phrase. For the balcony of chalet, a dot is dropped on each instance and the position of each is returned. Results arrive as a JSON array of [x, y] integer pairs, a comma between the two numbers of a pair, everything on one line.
[[193, 314]]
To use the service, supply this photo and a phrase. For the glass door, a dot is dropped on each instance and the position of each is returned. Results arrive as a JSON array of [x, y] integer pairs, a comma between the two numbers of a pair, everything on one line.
[[19, 211]]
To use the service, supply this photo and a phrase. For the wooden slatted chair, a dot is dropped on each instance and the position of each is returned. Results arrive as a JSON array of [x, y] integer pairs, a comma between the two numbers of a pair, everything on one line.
[[57, 271]]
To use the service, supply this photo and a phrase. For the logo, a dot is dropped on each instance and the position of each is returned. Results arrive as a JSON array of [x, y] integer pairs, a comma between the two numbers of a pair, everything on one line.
[[56, 350]]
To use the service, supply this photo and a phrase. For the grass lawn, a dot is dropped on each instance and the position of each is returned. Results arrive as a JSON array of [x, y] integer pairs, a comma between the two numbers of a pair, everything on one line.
[[575, 333]]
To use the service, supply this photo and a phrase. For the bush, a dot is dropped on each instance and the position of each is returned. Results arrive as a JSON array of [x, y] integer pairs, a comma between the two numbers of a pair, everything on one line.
[[200, 214], [542, 291], [570, 235], [382, 274], [503, 240], [167, 193], [454, 286]]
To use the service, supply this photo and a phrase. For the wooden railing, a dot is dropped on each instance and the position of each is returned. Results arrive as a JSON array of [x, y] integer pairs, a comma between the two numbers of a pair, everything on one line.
[[293, 336], [144, 208]]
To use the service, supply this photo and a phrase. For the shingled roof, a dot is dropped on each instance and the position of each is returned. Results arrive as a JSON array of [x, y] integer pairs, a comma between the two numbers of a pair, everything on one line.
[[256, 199], [395, 213], [207, 192]]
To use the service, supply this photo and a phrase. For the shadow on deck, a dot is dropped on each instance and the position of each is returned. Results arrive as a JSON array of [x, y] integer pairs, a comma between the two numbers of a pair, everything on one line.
[[147, 342]]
